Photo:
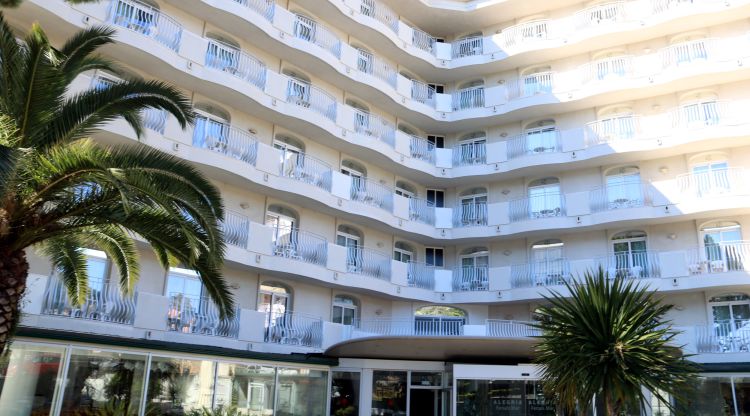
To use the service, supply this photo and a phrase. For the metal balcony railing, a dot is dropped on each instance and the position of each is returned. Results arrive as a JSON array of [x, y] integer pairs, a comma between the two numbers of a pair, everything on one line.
[[631, 265], [423, 93], [471, 279], [199, 315], [705, 114], [421, 275], [600, 14], [537, 206], [428, 326], [317, 34], [155, 119], [372, 193], [723, 336], [534, 143], [422, 149], [525, 33], [422, 40], [377, 67], [607, 69], [499, 328], [467, 47], [422, 210], [294, 328], [236, 228], [368, 262], [684, 53], [544, 273], [146, 20], [229, 59], [105, 302], [467, 98], [373, 125], [616, 128], [304, 168], [381, 13], [469, 215], [717, 182], [264, 8], [627, 195], [471, 153], [225, 139], [304, 94], [293, 243], [719, 258], [532, 84]]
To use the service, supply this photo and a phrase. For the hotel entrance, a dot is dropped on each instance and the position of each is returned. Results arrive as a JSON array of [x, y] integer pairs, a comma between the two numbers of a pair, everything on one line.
[[427, 395]]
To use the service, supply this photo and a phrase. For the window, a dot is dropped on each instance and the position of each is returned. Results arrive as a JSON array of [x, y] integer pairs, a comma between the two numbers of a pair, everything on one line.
[[434, 257], [405, 189], [389, 391], [542, 137], [292, 154], [211, 128], [222, 55], [436, 197], [184, 283], [97, 268], [473, 273], [438, 88], [179, 385], [351, 238], [723, 247], [28, 377], [548, 266], [403, 252], [249, 387], [437, 141], [273, 299], [439, 320], [473, 207], [345, 392], [624, 188], [630, 255], [731, 320], [344, 310], [711, 177], [545, 199]]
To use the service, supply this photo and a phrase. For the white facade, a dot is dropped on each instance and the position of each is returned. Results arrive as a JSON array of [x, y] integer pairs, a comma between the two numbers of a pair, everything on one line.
[[370, 170]]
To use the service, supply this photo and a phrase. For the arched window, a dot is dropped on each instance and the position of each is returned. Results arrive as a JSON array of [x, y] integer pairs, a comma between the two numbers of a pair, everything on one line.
[[406, 189], [353, 239], [614, 123], [365, 60], [472, 207], [698, 109], [468, 45], [274, 299], [686, 49], [624, 189], [608, 65], [630, 256], [305, 27], [473, 273], [439, 320], [361, 115], [403, 252], [723, 247], [353, 169], [212, 125], [97, 268], [184, 284], [545, 198], [548, 264], [730, 314], [541, 137], [709, 175], [223, 52], [471, 149], [298, 88], [345, 310], [537, 80]]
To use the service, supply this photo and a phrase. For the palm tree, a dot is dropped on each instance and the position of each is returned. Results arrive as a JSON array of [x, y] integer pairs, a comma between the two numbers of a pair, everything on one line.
[[60, 191], [609, 340]]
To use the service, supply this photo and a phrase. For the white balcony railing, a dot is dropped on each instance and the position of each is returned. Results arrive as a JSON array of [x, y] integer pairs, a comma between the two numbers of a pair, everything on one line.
[[372, 125], [470, 46], [146, 20], [543, 273], [705, 114], [236, 228], [422, 40], [613, 129], [600, 14], [471, 279], [294, 328], [317, 34], [718, 182], [631, 265], [293, 243], [719, 258], [421, 275], [264, 8], [469, 215], [420, 148], [104, 302], [371, 192], [470, 153], [467, 98], [525, 34], [155, 119], [199, 315], [607, 69], [422, 210], [686, 53], [499, 328], [377, 67], [536, 207], [534, 143], [225, 139], [419, 326], [627, 195], [423, 93], [723, 337], [229, 59], [306, 95], [304, 168], [368, 262], [532, 84], [381, 13]]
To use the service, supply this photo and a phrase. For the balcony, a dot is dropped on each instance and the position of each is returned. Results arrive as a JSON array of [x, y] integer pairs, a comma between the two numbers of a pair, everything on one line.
[[302, 94], [525, 35], [471, 278], [236, 229], [607, 69], [147, 21], [377, 67], [423, 41], [536, 207], [498, 328], [534, 143], [423, 93], [721, 257], [620, 196], [467, 98], [381, 13], [368, 262], [471, 153], [601, 14], [421, 275], [199, 316], [422, 149], [264, 8], [631, 265], [296, 244], [371, 125], [719, 182], [224, 139], [612, 129], [104, 302], [422, 211], [470, 46], [317, 34], [532, 84], [370, 192], [294, 328], [543, 273], [306, 169], [470, 215], [227, 58]]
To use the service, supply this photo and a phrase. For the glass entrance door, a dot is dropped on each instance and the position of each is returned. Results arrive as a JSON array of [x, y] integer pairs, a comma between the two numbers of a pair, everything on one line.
[[426, 402]]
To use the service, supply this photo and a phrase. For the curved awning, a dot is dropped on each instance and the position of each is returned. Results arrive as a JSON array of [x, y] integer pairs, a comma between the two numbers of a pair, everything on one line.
[[427, 348]]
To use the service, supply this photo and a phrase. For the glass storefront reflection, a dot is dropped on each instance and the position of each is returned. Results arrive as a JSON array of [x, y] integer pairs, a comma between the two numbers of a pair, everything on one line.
[[345, 393], [103, 382], [712, 397], [28, 377], [176, 385], [301, 392], [501, 398], [389, 393], [249, 388]]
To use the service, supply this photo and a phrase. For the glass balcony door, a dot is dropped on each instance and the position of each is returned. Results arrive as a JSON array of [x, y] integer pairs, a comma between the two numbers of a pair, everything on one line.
[[544, 200], [353, 250], [711, 178]]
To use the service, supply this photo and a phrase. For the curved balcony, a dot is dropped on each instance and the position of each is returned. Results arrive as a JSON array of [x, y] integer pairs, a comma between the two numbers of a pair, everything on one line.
[[236, 229], [311, 31], [536, 207], [421, 275], [377, 67], [620, 196], [422, 210], [511, 329], [471, 278], [371, 125], [467, 98], [303, 94], [727, 181], [307, 169], [544, 273], [104, 302], [147, 21], [224, 139], [199, 316], [293, 328], [470, 46], [372, 193], [229, 59], [631, 265], [534, 143], [368, 262], [470, 215], [723, 257], [295, 244]]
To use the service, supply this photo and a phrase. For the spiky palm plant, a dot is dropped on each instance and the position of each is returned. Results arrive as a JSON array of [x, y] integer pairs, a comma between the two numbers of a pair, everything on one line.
[[60, 191], [609, 339]]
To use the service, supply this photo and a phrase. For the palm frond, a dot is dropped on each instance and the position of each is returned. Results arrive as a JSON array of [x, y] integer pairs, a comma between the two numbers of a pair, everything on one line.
[[67, 258]]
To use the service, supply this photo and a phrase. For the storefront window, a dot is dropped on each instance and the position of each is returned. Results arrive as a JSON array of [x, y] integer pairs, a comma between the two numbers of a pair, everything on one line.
[[249, 388], [426, 379], [28, 376], [742, 393], [177, 385], [345, 393], [502, 398], [103, 382], [713, 396], [389, 393], [302, 392]]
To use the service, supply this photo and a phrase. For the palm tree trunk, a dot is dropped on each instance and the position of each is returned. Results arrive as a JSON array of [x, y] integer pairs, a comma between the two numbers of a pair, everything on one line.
[[14, 269]]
